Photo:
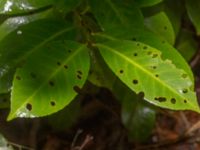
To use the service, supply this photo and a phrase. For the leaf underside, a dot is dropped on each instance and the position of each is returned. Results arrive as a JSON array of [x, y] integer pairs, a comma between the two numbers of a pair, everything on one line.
[[49, 80], [142, 69]]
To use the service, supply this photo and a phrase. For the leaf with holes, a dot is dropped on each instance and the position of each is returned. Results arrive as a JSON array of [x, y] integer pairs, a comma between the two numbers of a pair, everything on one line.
[[49, 80], [26, 40], [19, 6], [120, 18], [142, 69], [161, 25]]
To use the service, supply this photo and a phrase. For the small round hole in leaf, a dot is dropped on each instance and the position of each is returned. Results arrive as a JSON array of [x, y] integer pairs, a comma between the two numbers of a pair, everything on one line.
[[29, 106], [77, 89], [160, 99], [79, 77], [58, 63], [53, 103], [145, 47], [18, 77], [51, 83], [149, 52], [157, 75], [65, 66], [154, 55], [135, 81], [173, 100], [121, 71], [135, 54], [184, 90], [79, 72], [185, 101], [33, 75], [138, 44]]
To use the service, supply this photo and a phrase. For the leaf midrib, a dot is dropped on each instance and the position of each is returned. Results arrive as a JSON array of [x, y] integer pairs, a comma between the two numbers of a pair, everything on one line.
[[51, 75], [141, 68]]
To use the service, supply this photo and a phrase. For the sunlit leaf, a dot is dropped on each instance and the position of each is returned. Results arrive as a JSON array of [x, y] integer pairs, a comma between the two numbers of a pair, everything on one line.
[[26, 40], [49, 80], [18, 6], [193, 12], [119, 19], [161, 25], [142, 69]]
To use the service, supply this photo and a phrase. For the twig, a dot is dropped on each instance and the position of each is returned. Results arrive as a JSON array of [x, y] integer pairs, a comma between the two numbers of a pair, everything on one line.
[[19, 146], [76, 137]]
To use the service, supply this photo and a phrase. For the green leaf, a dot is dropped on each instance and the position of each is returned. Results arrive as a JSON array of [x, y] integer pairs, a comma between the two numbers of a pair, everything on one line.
[[49, 80], [137, 117], [19, 6], [186, 44], [66, 6], [193, 9], [119, 19], [142, 69], [161, 25], [147, 3], [22, 42], [168, 52]]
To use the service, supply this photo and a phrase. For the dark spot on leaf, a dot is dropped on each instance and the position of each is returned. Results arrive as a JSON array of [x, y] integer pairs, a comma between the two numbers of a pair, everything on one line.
[[29, 106], [58, 63], [121, 71], [79, 72], [154, 55], [18, 77], [135, 54], [135, 81], [157, 75], [69, 51], [184, 90], [154, 67], [165, 27], [141, 94], [53, 103], [77, 89], [138, 44], [173, 100], [184, 75], [145, 47], [51, 83], [134, 39], [65, 66], [79, 77], [33, 75], [185, 101], [160, 99]]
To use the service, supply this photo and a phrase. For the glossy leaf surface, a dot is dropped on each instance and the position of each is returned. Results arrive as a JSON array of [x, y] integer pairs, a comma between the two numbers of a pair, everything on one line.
[[161, 25], [26, 40], [49, 80], [120, 18], [193, 12], [141, 68], [18, 6]]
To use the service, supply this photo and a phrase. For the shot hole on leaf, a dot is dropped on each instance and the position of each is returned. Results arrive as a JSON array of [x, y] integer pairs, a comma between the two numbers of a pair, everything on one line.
[[141, 94], [58, 63], [29, 106], [135, 54], [149, 52], [69, 51], [173, 100], [160, 99], [185, 101], [154, 55], [33, 75], [134, 39], [138, 44], [145, 47], [79, 72], [79, 77], [157, 75], [65, 66], [184, 90], [77, 89], [135, 81], [121, 71], [51, 83], [53, 103], [18, 77]]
